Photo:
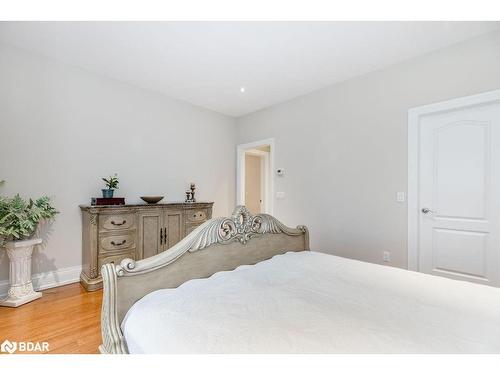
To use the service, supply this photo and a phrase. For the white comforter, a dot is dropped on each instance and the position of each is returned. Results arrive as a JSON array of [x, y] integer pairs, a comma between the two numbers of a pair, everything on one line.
[[311, 302]]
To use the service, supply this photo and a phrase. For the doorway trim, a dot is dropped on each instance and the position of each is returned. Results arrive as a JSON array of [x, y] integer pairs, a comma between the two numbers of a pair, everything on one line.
[[240, 172], [414, 115]]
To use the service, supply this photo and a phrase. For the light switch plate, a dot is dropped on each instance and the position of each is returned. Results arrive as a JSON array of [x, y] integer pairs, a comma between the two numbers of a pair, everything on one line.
[[401, 196], [280, 195]]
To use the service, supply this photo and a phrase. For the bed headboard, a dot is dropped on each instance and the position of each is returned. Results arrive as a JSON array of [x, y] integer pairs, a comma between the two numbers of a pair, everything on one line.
[[220, 244]]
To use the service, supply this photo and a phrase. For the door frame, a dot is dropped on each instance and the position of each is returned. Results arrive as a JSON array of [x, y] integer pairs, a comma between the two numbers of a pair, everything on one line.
[[240, 173], [414, 115]]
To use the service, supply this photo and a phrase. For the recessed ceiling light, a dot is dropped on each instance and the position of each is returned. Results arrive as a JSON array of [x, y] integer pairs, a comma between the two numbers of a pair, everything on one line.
[[242, 89]]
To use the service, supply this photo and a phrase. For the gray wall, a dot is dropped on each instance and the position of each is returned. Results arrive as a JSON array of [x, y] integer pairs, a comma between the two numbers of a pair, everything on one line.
[[344, 148], [62, 128]]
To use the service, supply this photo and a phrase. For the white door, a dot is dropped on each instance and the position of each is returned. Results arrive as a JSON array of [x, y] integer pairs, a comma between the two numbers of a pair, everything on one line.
[[459, 193]]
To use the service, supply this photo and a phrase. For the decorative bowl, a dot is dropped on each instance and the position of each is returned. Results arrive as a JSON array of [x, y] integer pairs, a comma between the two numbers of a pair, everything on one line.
[[152, 200]]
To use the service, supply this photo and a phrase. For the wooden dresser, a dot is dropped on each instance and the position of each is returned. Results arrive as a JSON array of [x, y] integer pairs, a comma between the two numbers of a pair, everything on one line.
[[113, 233]]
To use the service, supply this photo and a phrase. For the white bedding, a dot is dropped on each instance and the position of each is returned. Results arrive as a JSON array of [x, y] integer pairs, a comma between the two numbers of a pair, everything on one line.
[[311, 302]]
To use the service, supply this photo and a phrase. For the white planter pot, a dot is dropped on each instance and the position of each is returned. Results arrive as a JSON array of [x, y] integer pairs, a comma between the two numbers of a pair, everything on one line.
[[21, 288]]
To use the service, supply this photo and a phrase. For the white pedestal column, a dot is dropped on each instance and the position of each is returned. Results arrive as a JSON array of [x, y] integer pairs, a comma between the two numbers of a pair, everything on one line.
[[21, 288]]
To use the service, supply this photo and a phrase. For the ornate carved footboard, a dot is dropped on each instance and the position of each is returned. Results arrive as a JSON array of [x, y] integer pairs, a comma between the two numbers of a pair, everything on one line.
[[220, 244]]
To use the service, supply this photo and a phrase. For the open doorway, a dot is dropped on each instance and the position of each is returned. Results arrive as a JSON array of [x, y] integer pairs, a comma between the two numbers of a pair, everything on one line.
[[254, 182]]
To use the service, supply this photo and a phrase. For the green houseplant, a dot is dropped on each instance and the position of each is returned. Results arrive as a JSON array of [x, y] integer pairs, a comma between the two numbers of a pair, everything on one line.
[[111, 184], [19, 220]]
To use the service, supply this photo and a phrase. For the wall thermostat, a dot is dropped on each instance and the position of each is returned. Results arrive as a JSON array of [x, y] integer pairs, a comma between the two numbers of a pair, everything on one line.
[[280, 172]]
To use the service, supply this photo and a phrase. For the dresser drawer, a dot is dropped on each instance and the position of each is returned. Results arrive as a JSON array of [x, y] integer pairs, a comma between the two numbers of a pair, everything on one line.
[[117, 221], [196, 216], [116, 259], [191, 227], [114, 242]]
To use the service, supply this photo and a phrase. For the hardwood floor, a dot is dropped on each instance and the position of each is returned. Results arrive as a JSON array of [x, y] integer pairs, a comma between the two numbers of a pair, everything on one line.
[[67, 317]]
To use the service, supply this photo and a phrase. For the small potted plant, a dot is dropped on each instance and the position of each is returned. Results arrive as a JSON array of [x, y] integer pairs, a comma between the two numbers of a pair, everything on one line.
[[19, 220], [111, 184]]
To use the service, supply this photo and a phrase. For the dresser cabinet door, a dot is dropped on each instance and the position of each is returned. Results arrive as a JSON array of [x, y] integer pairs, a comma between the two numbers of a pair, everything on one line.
[[174, 226], [150, 233]]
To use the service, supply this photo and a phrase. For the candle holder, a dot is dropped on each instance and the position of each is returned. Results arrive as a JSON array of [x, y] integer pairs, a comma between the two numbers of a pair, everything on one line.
[[190, 194], [193, 188]]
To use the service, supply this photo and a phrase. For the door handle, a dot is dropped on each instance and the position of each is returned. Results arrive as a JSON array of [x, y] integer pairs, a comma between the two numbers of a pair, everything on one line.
[[426, 211]]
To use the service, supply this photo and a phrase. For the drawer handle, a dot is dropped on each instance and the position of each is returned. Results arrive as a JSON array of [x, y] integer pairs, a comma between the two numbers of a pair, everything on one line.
[[164, 235], [118, 224], [161, 236], [118, 244]]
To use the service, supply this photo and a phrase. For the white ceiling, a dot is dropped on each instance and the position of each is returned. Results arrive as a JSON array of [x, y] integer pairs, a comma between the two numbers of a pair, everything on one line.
[[206, 63]]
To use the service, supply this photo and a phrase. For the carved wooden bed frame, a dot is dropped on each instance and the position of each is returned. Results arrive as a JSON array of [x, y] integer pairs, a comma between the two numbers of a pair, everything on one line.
[[220, 244]]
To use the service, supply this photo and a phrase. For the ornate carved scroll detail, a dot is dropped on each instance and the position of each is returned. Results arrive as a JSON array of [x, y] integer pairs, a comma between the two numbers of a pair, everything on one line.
[[93, 272], [93, 219], [241, 226]]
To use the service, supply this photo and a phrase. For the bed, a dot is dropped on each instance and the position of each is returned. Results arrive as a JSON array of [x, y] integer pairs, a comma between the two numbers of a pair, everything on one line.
[[248, 284]]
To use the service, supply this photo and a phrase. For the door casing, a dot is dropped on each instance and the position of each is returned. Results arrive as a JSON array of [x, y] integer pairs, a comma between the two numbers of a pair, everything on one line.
[[240, 173]]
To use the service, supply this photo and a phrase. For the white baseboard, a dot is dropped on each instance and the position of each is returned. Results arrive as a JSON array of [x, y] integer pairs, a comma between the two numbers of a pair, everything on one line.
[[46, 280]]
